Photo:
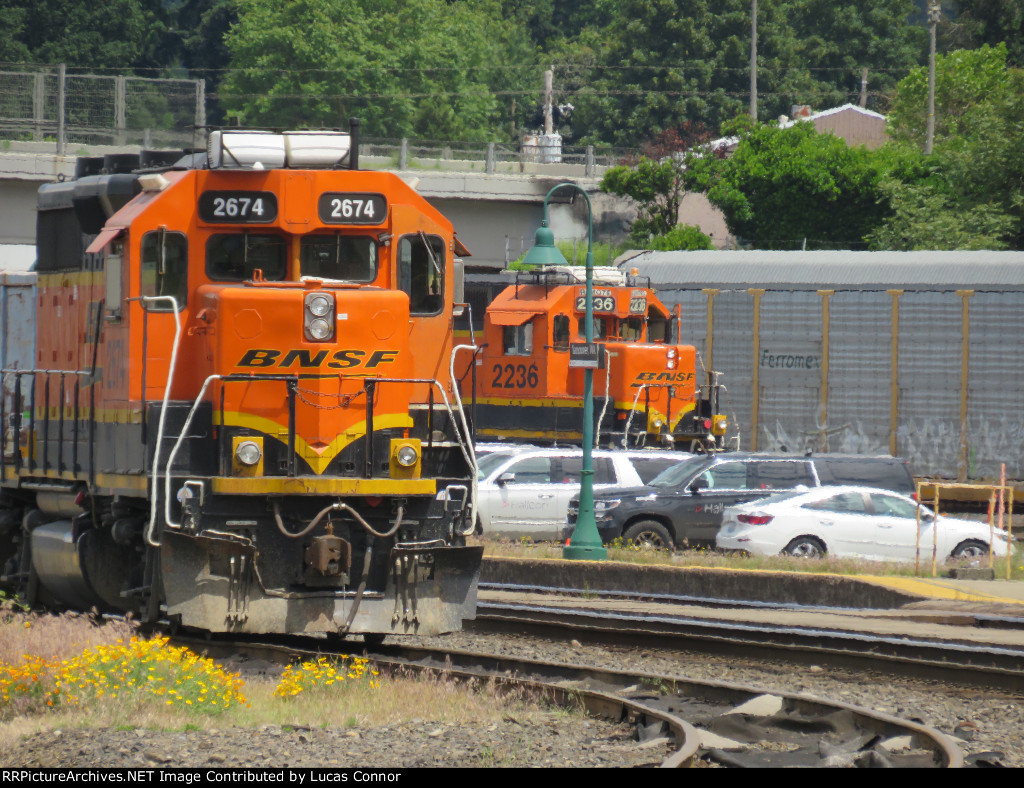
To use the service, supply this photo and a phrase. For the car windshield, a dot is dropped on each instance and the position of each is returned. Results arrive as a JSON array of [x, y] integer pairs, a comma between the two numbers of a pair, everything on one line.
[[678, 474], [486, 464]]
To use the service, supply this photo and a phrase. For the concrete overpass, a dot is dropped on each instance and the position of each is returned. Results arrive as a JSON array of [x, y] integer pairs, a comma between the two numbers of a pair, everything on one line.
[[495, 214]]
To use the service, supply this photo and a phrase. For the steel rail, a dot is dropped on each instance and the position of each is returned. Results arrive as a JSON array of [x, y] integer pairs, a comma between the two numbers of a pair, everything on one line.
[[984, 665], [651, 702]]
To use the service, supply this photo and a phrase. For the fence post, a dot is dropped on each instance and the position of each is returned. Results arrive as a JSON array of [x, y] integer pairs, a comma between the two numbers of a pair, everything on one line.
[[588, 170], [61, 76], [489, 165], [200, 122], [403, 154], [119, 101], [38, 105]]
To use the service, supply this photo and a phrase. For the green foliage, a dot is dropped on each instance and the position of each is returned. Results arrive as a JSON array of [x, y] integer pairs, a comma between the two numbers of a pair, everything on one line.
[[789, 188], [964, 81], [969, 194], [659, 63], [926, 217], [990, 22], [119, 34], [575, 253], [418, 68], [682, 237], [657, 189]]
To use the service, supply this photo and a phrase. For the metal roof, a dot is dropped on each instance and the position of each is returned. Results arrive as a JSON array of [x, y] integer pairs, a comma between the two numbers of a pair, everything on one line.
[[845, 270]]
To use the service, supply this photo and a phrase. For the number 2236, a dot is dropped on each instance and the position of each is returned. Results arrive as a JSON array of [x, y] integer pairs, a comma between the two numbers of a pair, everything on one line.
[[515, 376]]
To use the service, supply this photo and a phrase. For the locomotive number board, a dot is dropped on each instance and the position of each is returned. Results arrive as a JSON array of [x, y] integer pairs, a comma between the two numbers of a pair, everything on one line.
[[237, 207], [603, 300], [352, 208]]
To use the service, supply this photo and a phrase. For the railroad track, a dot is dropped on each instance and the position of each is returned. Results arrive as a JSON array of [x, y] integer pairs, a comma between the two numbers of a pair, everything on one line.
[[729, 724], [835, 636]]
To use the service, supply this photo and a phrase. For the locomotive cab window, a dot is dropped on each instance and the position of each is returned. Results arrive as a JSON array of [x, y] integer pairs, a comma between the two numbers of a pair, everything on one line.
[[657, 326], [600, 327], [421, 264], [518, 340], [232, 257], [631, 329], [164, 268], [560, 332], [349, 258]]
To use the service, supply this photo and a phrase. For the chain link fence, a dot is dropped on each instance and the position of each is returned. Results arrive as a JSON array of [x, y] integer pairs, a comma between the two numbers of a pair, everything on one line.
[[49, 105]]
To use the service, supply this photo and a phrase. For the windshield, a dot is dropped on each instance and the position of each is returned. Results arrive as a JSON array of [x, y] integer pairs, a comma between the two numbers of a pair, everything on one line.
[[486, 464], [677, 475]]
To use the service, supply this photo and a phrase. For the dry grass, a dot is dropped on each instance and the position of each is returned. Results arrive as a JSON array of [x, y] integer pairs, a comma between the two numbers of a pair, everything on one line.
[[54, 637], [367, 700]]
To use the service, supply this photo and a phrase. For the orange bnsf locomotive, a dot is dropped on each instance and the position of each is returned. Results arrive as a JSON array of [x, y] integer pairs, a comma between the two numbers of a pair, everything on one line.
[[645, 388], [240, 416]]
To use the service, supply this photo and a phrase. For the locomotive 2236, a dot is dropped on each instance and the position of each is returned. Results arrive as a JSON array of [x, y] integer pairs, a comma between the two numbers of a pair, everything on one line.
[[241, 414]]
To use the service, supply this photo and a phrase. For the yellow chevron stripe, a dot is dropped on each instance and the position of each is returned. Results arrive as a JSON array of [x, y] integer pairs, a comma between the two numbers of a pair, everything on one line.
[[318, 461]]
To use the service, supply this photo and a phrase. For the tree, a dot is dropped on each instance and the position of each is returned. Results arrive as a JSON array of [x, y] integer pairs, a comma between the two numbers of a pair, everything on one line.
[[681, 237], [421, 68], [964, 81], [658, 63], [790, 187], [123, 35], [657, 189], [990, 22], [969, 194]]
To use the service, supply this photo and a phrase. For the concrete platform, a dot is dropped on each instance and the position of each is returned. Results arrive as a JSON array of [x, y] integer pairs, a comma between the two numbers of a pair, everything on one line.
[[794, 588], [965, 611]]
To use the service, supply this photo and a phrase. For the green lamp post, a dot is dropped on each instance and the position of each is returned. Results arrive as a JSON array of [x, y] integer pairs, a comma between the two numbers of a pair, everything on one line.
[[586, 541]]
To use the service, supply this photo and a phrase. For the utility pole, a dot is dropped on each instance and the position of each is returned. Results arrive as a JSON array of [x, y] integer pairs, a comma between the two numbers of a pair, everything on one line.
[[753, 59], [549, 79], [863, 88], [934, 12]]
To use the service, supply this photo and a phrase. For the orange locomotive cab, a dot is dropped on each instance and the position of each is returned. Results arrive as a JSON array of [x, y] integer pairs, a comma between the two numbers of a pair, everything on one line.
[[645, 389], [262, 434]]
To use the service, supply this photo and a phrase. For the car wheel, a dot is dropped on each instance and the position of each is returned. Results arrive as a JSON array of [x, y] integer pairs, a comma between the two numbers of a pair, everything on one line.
[[972, 548], [649, 534], [805, 547]]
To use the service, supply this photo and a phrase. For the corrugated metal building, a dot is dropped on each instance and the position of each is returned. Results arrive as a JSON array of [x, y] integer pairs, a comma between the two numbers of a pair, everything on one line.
[[918, 354]]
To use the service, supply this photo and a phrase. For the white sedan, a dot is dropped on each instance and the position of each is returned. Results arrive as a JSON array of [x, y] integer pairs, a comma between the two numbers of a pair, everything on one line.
[[855, 522]]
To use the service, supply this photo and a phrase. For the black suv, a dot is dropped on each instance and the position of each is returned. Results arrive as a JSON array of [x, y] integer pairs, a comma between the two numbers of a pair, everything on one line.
[[684, 504]]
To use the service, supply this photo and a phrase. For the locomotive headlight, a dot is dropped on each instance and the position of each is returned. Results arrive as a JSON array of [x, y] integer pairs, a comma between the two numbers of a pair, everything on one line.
[[319, 305], [407, 456], [406, 460], [319, 329], [318, 316], [248, 453]]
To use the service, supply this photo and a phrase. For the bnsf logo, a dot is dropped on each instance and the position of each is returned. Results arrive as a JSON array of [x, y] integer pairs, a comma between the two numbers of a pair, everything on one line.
[[340, 359], [661, 377]]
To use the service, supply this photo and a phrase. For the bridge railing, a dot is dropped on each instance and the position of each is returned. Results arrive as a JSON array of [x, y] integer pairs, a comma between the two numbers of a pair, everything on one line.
[[50, 105], [46, 106]]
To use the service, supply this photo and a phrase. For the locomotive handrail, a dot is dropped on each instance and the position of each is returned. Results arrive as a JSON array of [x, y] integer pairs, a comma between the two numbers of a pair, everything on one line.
[[290, 380], [632, 410], [163, 407]]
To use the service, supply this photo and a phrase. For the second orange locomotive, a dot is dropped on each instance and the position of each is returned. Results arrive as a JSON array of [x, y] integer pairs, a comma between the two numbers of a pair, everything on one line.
[[646, 388]]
